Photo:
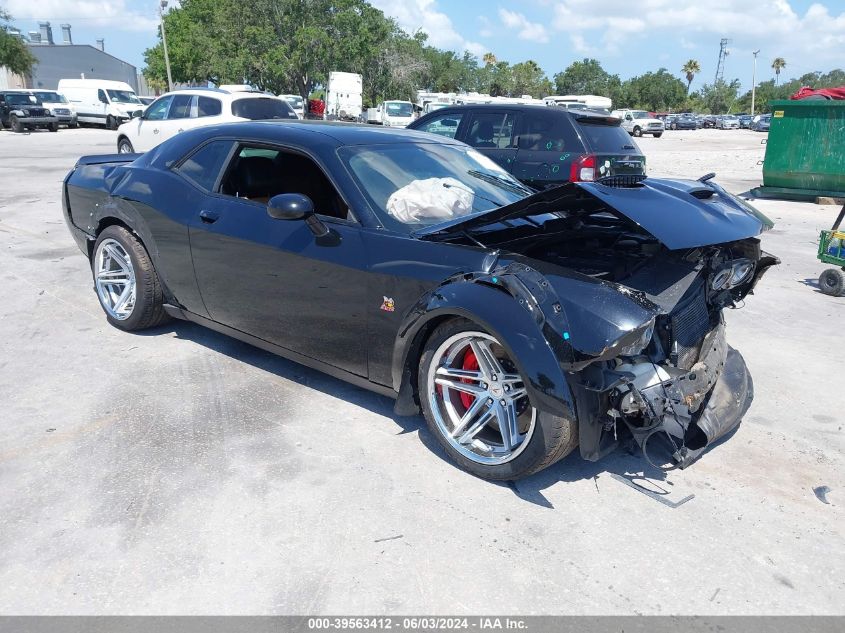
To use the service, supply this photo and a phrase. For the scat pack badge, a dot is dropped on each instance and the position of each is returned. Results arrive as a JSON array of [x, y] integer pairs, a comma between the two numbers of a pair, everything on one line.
[[387, 305]]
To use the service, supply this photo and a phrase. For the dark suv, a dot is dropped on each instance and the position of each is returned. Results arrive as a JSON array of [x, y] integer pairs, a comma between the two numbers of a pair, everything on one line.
[[21, 109], [542, 146]]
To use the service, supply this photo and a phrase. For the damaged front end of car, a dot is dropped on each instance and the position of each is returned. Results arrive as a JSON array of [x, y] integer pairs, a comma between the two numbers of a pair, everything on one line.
[[630, 279]]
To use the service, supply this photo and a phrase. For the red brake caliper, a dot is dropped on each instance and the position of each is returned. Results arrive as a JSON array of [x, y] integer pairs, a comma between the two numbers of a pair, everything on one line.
[[470, 364]]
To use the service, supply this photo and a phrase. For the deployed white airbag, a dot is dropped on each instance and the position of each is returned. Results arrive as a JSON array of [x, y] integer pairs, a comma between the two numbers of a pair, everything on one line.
[[433, 198]]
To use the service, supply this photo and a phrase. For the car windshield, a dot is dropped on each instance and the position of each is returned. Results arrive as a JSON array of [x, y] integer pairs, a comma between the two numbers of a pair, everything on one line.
[[640, 115], [410, 185], [436, 106], [296, 102], [399, 109], [123, 96], [49, 97], [21, 99], [262, 108]]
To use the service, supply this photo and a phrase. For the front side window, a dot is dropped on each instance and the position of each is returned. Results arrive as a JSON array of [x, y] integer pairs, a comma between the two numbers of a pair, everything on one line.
[[443, 125], [258, 173], [492, 130], [157, 110], [262, 109], [204, 165], [123, 96]]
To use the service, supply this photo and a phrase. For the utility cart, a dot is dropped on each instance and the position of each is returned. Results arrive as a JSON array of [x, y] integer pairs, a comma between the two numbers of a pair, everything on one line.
[[832, 251]]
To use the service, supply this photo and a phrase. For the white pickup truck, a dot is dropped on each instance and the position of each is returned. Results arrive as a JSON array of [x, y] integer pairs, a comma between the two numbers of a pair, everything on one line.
[[639, 122]]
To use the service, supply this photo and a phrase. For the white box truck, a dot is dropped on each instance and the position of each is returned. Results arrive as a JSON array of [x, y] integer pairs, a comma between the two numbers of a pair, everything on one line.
[[101, 101], [344, 96]]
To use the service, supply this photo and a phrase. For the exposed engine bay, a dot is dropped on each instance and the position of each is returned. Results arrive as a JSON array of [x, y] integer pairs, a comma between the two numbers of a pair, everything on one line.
[[662, 385]]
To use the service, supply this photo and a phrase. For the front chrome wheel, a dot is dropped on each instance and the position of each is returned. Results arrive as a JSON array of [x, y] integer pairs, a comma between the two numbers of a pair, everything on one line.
[[478, 399], [114, 277]]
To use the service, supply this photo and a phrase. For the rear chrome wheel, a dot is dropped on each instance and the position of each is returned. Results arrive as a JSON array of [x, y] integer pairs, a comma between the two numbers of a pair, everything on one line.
[[114, 277], [478, 400]]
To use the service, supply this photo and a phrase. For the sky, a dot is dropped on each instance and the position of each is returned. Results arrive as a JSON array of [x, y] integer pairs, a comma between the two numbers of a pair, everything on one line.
[[629, 37]]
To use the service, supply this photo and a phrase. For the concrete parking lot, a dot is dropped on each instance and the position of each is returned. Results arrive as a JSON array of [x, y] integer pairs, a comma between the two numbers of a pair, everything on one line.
[[180, 472]]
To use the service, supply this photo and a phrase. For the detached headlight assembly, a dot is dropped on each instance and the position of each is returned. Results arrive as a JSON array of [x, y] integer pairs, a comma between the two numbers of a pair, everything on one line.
[[731, 276]]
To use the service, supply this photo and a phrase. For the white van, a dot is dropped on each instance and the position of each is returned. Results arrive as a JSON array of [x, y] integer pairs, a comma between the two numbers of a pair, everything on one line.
[[101, 101]]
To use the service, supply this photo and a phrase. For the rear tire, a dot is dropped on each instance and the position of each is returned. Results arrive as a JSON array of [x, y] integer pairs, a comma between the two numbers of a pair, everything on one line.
[[73, 126], [17, 126], [126, 282], [832, 282], [637, 132], [540, 438]]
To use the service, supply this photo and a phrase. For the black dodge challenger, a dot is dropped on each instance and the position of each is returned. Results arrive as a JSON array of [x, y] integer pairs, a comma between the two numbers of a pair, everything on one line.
[[521, 323]]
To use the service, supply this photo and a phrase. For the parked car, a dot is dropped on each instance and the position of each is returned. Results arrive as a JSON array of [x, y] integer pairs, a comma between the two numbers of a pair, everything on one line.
[[639, 122], [181, 110], [21, 110], [745, 121], [522, 324], [59, 107], [297, 103], [684, 122], [541, 147], [728, 122], [710, 121], [100, 101], [145, 101], [761, 123]]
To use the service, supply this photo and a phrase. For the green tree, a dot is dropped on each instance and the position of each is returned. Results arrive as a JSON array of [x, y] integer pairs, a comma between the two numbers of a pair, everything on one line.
[[778, 64], [528, 78], [14, 53], [690, 70], [586, 77], [720, 97], [656, 91]]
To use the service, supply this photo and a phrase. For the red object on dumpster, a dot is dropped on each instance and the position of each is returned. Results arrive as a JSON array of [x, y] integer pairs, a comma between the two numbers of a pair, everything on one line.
[[824, 93], [316, 106]]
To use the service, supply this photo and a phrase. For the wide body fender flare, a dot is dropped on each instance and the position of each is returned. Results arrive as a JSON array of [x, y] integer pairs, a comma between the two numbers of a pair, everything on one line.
[[521, 328]]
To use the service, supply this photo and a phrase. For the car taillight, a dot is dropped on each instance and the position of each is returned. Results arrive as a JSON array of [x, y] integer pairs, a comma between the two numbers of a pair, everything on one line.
[[583, 169]]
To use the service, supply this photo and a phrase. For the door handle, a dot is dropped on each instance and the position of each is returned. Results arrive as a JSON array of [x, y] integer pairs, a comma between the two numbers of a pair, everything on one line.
[[209, 217]]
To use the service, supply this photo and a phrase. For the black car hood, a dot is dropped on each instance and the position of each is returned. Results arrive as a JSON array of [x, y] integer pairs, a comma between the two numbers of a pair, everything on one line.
[[679, 213]]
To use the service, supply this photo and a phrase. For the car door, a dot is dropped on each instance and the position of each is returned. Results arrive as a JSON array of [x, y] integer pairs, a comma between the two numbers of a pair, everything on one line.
[[178, 117], [273, 278], [146, 129], [492, 132]]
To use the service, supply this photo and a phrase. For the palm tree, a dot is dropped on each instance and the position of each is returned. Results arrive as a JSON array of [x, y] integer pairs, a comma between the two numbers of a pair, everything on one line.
[[778, 65], [489, 59], [691, 69]]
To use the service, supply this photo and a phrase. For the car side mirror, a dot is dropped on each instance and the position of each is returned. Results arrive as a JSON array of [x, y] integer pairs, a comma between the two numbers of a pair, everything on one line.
[[295, 206], [628, 117], [137, 114]]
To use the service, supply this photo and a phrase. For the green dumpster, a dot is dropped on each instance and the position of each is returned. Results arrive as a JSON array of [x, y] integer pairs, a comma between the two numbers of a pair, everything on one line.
[[805, 151]]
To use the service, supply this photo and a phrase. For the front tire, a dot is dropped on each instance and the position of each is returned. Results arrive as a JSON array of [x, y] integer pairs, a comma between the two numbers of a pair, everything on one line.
[[658, 134], [124, 146], [111, 122], [638, 132], [476, 405], [832, 282], [126, 282], [17, 126], [54, 127]]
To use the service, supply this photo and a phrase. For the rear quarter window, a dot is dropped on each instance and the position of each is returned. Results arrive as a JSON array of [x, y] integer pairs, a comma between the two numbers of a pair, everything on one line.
[[262, 108], [204, 165], [544, 131]]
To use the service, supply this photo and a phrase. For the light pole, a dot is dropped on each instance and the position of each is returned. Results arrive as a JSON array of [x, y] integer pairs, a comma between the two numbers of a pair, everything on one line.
[[754, 82], [163, 5]]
